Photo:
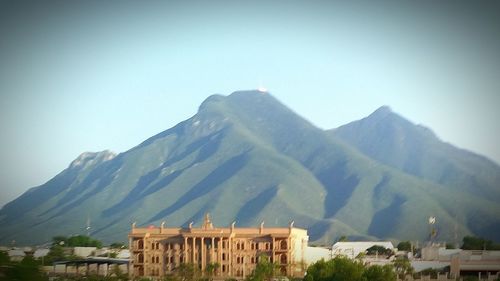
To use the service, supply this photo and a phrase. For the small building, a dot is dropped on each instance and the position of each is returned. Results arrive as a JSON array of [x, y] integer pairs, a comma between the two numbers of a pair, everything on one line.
[[158, 251], [84, 251], [16, 254], [353, 249], [314, 254], [480, 263]]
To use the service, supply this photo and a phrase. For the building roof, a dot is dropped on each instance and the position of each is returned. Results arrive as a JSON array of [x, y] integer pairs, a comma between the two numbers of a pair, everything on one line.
[[16, 253]]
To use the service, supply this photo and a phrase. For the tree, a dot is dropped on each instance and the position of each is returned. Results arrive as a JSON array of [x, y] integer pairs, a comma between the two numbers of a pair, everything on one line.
[[27, 269], [477, 243], [117, 245], [211, 269], [56, 253], [187, 272], [4, 258], [337, 269], [404, 246], [380, 250], [403, 266], [264, 270], [379, 273], [83, 241], [342, 238]]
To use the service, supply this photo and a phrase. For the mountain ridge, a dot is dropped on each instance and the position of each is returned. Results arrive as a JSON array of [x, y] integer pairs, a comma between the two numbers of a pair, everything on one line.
[[245, 157]]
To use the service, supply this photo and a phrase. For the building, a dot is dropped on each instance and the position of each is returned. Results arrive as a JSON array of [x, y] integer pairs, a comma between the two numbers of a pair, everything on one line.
[[353, 249], [235, 251], [479, 263]]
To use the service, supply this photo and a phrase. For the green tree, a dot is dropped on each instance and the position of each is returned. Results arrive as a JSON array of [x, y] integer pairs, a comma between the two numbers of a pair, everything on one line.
[[4, 258], [56, 253], [59, 240], [450, 245], [429, 272], [380, 250], [337, 269], [404, 246], [264, 270], [403, 266], [379, 273], [117, 245], [27, 269], [83, 241], [477, 243], [211, 269], [187, 272]]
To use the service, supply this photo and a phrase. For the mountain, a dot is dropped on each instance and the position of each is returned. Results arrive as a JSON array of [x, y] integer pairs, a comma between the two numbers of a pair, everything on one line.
[[246, 158], [390, 139]]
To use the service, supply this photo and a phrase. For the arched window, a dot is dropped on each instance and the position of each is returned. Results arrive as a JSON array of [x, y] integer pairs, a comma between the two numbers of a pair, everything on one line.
[[140, 244], [283, 245], [140, 258], [283, 259]]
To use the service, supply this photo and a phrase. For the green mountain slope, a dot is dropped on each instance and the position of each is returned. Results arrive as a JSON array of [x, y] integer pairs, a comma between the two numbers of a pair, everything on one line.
[[392, 140], [245, 158]]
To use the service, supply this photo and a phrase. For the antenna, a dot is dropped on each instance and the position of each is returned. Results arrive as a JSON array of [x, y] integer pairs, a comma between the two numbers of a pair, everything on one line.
[[88, 226], [432, 228]]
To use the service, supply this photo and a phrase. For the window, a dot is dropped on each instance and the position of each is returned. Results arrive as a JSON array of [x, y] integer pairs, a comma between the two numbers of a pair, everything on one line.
[[283, 259], [283, 245]]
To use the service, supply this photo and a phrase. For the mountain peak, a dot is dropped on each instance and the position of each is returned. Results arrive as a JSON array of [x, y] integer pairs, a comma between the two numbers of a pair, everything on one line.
[[382, 111], [88, 158]]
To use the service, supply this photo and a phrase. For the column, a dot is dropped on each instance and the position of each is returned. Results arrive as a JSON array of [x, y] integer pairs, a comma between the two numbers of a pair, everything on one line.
[[230, 255], [202, 253], [219, 253], [194, 248], [212, 250], [185, 249], [273, 253]]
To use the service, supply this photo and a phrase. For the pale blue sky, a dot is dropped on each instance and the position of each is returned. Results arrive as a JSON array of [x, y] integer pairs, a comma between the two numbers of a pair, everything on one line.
[[81, 76]]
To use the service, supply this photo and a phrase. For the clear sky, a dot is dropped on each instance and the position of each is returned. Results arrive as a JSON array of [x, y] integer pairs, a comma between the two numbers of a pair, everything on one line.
[[81, 76]]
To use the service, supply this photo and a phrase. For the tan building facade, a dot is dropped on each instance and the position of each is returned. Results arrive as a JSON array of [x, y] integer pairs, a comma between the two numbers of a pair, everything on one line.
[[157, 251]]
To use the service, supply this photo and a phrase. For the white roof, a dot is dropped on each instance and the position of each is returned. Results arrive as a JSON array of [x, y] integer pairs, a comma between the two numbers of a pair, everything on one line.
[[41, 253], [314, 254], [16, 253]]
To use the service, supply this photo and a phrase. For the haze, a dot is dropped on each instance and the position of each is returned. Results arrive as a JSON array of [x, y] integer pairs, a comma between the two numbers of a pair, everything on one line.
[[87, 76]]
